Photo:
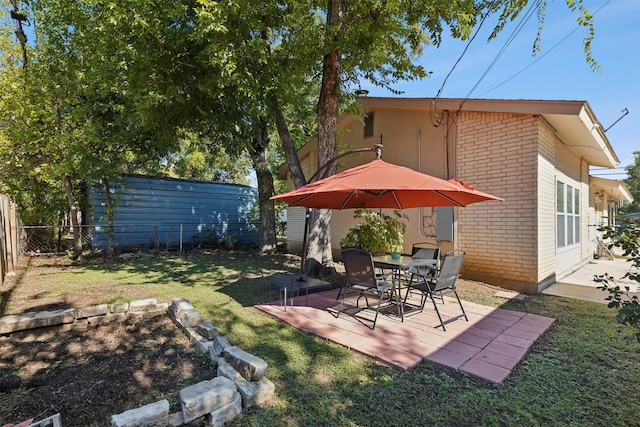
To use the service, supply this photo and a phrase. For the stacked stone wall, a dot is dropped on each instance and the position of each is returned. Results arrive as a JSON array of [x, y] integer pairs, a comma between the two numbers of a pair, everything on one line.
[[240, 381]]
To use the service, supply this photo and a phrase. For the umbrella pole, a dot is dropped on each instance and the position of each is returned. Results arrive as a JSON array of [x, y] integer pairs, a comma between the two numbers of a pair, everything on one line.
[[377, 148], [305, 237]]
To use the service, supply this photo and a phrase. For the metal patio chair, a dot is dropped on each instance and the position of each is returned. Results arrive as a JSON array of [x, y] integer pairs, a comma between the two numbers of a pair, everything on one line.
[[442, 282], [363, 281], [424, 250]]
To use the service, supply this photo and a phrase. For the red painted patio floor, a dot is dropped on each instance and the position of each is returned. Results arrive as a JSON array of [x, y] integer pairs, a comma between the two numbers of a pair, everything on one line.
[[488, 346]]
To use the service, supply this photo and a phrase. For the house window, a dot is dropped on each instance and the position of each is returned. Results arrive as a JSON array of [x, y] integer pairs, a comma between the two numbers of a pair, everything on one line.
[[368, 125], [567, 215]]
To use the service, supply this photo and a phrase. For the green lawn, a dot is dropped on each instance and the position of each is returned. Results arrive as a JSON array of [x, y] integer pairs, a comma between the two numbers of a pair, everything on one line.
[[583, 372]]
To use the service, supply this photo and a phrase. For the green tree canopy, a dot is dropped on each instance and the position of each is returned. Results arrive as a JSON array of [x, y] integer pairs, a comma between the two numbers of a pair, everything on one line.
[[633, 183]]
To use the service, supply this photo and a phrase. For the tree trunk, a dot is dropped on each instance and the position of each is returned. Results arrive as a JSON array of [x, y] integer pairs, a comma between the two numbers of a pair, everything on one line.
[[287, 143], [110, 214], [73, 212], [319, 256], [268, 242]]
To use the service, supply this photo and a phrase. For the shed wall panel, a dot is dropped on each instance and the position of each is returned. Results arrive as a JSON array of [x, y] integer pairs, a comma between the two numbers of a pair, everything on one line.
[[166, 212]]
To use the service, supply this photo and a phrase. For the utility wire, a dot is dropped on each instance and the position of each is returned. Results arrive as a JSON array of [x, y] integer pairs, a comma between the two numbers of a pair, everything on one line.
[[438, 120], [612, 173], [516, 31], [509, 40], [599, 168], [543, 55], [461, 55], [534, 6]]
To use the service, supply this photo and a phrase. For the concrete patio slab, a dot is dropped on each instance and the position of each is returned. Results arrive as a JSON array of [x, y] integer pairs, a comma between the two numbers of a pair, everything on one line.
[[488, 346]]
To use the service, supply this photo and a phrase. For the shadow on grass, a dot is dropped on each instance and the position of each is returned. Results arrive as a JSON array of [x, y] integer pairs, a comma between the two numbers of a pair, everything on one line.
[[564, 376], [10, 285]]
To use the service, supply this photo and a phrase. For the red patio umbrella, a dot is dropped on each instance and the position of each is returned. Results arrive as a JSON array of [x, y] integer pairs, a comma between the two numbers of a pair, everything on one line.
[[379, 184]]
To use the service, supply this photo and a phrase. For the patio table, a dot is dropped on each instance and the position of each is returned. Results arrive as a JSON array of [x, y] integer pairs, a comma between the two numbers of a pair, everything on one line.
[[400, 266]]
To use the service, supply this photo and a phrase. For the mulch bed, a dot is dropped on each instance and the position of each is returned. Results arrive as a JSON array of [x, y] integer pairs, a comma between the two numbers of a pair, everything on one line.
[[88, 376]]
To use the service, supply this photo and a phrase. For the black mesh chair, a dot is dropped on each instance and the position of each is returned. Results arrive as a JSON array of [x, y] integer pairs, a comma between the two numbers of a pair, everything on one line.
[[442, 282], [424, 250], [363, 281]]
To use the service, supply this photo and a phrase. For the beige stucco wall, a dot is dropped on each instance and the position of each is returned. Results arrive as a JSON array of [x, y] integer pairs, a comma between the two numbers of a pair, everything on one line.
[[295, 215], [409, 139]]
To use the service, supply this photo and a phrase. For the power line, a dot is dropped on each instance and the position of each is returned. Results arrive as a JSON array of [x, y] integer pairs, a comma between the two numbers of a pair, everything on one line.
[[460, 57], [610, 173], [509, 40], [543, 55], [438, 120], [534, 6]]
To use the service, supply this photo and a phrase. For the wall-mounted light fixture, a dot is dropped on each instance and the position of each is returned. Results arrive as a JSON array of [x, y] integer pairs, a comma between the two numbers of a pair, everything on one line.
[[598, 199]]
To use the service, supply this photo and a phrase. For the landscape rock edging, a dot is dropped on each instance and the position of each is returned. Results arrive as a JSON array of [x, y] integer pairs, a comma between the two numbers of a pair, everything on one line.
[[240, 382]]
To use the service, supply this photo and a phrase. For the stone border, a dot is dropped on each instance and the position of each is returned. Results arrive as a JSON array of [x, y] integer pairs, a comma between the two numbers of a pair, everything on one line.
[[240, 382]]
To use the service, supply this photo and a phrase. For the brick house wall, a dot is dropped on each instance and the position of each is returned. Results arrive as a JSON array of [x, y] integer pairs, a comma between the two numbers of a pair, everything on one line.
[[518, 155], [500, 151]]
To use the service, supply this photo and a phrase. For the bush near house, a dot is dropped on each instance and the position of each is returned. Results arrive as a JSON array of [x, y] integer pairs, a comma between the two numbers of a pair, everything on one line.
[[626, 237], [378, 233]]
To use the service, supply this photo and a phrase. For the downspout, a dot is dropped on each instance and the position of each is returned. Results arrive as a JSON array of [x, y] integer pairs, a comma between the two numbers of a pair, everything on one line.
[[420, 210], [445, 114], [419, 136]]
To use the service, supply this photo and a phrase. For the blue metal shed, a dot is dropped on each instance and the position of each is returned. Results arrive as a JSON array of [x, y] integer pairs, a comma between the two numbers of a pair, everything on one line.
[[168, 213]]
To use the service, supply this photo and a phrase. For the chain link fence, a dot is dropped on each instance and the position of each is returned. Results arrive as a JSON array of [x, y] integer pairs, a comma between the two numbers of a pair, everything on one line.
[[36, 240], [48, 240]]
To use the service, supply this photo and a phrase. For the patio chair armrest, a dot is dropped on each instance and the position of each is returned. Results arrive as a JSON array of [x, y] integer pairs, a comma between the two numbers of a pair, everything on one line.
[[430, 276], [384, 276]]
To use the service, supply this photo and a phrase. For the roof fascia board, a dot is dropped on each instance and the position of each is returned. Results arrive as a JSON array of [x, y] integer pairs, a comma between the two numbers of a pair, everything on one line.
[[614, 185], [591, 122], [580, 109], [537, 107]]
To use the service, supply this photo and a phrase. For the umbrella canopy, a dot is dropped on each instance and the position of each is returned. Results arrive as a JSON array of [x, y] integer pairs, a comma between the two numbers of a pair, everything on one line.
[[379, 184]]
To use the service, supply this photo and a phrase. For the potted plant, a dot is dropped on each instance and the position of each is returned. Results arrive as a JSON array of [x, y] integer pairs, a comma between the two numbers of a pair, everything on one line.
[[378, 233]]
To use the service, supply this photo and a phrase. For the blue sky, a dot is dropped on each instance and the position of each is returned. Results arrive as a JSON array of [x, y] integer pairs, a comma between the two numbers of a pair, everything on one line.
[[558, 72]]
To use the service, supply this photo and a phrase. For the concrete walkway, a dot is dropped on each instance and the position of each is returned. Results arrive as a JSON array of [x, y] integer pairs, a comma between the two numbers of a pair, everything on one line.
[[580, 283]]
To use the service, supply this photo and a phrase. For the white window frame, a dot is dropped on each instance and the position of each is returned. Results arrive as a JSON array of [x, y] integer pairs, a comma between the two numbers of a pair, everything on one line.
[[567, 215]]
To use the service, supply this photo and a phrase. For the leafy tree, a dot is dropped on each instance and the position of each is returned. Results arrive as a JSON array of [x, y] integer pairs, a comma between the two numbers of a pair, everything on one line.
[[633, 184], [60, 119], [134, 73], [42, 125], [626, 237], [130, 109], [379, 42]]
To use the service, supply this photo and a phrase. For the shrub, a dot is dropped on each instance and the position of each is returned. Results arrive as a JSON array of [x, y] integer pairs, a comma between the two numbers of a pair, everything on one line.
[[378, 233], [626, 237]]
